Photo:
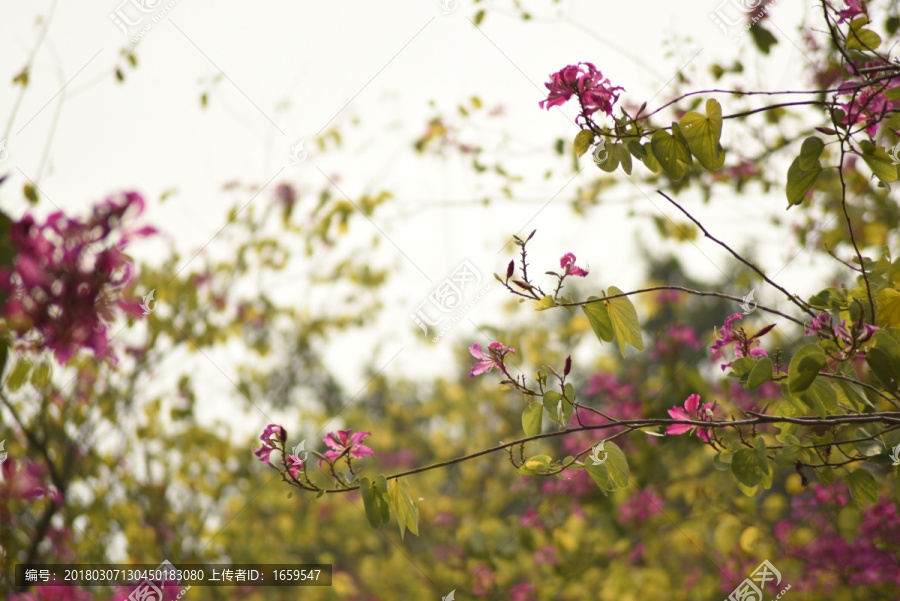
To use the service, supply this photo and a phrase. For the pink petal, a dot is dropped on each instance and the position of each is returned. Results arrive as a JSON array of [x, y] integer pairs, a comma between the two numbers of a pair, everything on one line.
[[692, 404], [678, 429]]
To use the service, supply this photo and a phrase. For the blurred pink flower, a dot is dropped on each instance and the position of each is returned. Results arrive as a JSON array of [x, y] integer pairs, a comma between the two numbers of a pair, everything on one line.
[[545, 555], [524, 591]]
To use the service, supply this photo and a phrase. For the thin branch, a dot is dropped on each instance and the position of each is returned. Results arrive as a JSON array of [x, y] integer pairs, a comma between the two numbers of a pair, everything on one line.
[[803, 307]]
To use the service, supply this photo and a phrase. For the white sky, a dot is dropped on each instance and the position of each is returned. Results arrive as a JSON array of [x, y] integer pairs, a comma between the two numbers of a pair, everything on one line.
[[288, 69]]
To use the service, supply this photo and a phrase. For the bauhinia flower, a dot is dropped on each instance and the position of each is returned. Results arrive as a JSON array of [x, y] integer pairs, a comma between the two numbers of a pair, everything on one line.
[[855, 8], [567, 262], [594, 92], [346, 442], [819, 322], [488, 360], [273, 438], [294, 464], [744, 346], [692, 412]]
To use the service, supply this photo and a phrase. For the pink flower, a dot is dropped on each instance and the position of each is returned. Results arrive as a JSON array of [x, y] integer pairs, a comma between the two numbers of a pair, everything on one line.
[[66, 284], [294, 465], [855, 9], [640, 507], [675, 339], [273, 437], [819, 322], [487, 361], [726, 335], [524, 591], [545, 555], [346, 442], [691, 412], [583, 80], [567, 262]]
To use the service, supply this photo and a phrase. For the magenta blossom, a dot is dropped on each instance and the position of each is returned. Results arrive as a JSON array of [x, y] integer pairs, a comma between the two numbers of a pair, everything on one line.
[[819, 322], [346, 442], [594, 92], [489, 360], [273, 438], [693, 412], [66, 284], [743, 345], [567, 262], [855, 8], [294, 465]]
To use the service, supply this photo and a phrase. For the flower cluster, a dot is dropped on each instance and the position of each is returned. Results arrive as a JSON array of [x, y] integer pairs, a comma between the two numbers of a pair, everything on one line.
[[67, 279], [594, 92], [343, 443], [488, 360], [866, 560], [692, 412], [642, 505]]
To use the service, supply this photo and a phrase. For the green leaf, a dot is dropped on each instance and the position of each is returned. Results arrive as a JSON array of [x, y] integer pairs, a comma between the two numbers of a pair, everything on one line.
[[805, 365], [553, 402], [703, 134], [743, 365], [884, 359], [479, 17], [760, 374], [810, 152], [860, 38], [636, 149], [888, 304], [825, 475], [624, 321], [18, 375], [546, 303], [650, 161], [583, 141], [800, 181], [821, 397], [538, 464], [763, 38], [869, 448], [40, 377], [624, 157], [879, 161], [7, 250], [30, 193], [747, 467], [404, 507], [371, 500], [607, 159], [673, 156], [862, 486], [531, 419], [598, 316], [613, 473], [4, 355]]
